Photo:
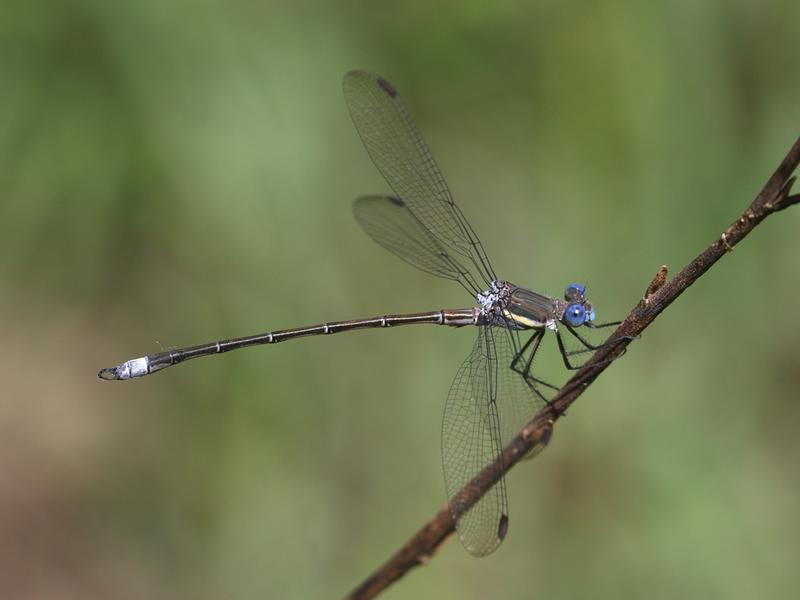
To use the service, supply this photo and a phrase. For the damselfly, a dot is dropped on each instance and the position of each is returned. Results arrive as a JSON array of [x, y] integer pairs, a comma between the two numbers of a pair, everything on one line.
[[494, 392]]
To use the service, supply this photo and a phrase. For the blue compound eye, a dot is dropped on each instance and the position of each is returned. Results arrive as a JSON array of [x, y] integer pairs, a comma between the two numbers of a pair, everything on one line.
[[575, 315], [574, 291]]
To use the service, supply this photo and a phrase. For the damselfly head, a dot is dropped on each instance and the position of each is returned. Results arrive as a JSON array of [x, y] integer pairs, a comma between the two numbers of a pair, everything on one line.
[[579, 311]]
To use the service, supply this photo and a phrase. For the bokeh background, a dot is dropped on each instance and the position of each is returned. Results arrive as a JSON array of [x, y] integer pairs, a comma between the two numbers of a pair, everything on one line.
[[177, 172]]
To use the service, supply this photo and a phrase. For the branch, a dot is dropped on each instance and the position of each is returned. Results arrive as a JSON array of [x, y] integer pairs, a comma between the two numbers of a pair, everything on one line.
[[660, 294]]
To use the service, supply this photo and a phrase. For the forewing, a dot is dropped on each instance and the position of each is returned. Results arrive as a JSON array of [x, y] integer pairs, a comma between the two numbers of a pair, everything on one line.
[[388, 221], [399, 152]]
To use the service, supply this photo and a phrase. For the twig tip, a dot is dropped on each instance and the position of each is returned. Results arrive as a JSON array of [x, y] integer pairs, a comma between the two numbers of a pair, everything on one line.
[[656, 284]]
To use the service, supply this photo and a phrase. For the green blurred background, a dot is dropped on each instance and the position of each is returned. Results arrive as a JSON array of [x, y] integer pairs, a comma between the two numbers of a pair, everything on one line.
[[177, 172]]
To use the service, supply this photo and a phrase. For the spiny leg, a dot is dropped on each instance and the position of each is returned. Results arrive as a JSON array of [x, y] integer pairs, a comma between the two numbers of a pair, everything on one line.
[[565, 354], [535, 340], [592, 325], [589, 347], [587, 344], [531, 381], [536, 337]]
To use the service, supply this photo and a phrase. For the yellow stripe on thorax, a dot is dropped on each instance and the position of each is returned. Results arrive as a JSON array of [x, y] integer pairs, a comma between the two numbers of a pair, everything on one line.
[[522, 321]]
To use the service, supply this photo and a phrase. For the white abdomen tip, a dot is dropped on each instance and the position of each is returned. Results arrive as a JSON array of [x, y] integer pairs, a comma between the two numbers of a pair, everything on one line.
[[132, 368]]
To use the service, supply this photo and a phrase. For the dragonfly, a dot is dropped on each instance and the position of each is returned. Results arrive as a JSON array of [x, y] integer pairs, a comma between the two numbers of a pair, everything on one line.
[[495, 391]]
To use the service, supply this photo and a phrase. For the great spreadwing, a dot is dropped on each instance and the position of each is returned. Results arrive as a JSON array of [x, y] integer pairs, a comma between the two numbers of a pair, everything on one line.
[[495, 391]]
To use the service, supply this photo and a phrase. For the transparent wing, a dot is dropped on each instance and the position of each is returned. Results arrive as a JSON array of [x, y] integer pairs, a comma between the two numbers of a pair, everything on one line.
[[487, 405], [388, 221], [399, 152]]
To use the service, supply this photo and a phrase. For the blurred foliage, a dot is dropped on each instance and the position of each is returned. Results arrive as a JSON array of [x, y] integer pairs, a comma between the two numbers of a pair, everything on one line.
[[172, 173]]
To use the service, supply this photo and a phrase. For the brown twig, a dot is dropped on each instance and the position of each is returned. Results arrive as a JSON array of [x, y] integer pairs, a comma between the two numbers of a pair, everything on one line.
[[660, 294]]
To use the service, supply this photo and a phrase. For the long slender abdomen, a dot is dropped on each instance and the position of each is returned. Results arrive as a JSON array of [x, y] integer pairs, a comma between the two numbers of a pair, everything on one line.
[[139, 367]]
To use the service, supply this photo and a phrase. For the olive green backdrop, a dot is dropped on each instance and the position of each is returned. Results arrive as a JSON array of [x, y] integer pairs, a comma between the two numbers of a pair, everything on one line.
[[177, 172]]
